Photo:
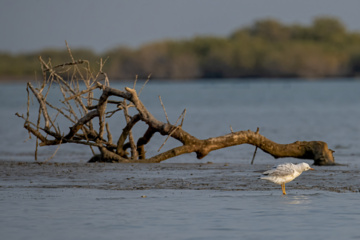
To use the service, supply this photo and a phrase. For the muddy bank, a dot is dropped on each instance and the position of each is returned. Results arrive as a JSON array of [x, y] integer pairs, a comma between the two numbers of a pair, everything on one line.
[[228, 177]]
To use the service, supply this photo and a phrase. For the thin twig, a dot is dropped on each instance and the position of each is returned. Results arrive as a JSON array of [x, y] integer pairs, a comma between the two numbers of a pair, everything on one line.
[[42, 105], [68, 48], [107, 82], [112, 113], [28, 104], [60, 111], [36, 149], [80, 93], [167, 119], [252, 161], [183, 117], [231, 129], [37, 129], [67, 64], [53, 155], [135, 81], [253, 158], [176, 128], [147, 80]]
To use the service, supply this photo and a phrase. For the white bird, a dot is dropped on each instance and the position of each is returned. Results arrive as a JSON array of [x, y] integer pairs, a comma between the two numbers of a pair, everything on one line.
[[285, 173]]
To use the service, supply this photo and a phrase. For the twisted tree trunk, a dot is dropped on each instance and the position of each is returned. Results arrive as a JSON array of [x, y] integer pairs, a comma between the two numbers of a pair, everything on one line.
[[82, 131]]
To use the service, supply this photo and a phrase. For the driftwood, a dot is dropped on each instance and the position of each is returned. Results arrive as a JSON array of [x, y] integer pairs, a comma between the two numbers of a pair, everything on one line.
[[80, 108]]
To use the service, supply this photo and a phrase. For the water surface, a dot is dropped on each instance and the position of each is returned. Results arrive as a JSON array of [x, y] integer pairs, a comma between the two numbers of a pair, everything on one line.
[[177, 214], [64, 205]]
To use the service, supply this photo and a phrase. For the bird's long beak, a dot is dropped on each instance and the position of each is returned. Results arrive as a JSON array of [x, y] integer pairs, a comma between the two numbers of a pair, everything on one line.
[[312, 169]]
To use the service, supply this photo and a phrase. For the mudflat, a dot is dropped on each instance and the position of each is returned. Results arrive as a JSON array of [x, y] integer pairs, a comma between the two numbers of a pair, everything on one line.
[[191, 176]]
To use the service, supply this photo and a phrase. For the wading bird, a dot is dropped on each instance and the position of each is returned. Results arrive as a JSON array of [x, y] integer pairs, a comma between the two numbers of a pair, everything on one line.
[[285, 173]]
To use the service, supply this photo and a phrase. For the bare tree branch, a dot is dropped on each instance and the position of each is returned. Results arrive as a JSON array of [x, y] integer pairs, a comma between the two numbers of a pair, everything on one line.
[[79, 108]]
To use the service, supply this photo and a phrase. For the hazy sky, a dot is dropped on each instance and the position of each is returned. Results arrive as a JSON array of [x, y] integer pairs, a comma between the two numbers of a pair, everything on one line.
[[28, 25]]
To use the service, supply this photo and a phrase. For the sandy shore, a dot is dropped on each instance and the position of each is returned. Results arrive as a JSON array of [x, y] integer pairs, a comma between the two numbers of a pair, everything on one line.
[[227, 177]]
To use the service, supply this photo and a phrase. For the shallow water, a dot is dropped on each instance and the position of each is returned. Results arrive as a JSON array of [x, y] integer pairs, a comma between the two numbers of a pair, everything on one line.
[[285, 111], [177, 214], [63, 202]]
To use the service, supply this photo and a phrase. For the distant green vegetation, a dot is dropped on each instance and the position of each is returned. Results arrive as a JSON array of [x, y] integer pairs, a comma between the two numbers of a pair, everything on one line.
[[267, 48], [27, 65]]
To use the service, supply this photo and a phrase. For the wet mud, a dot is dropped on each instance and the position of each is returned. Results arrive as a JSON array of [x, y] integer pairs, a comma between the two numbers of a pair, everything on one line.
[[192, 176]]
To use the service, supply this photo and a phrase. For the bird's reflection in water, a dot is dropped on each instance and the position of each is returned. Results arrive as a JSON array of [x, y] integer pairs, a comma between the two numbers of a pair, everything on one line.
[[298, 200]]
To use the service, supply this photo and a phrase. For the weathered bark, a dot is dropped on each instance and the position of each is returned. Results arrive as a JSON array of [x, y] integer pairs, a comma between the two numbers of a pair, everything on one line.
[[82, 128]]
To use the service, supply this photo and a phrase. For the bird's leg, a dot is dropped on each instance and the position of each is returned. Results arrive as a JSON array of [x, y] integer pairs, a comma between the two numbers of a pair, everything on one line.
[[283, 188]]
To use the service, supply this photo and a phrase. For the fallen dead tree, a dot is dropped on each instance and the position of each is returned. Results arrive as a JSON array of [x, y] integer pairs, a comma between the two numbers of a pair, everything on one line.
[[78, 85]]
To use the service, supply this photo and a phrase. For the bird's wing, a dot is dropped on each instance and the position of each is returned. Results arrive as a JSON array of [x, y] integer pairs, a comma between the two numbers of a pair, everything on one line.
[[281, 170]]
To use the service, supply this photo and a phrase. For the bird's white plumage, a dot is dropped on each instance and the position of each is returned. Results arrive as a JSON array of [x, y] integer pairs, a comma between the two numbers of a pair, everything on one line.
[[285, 172]]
